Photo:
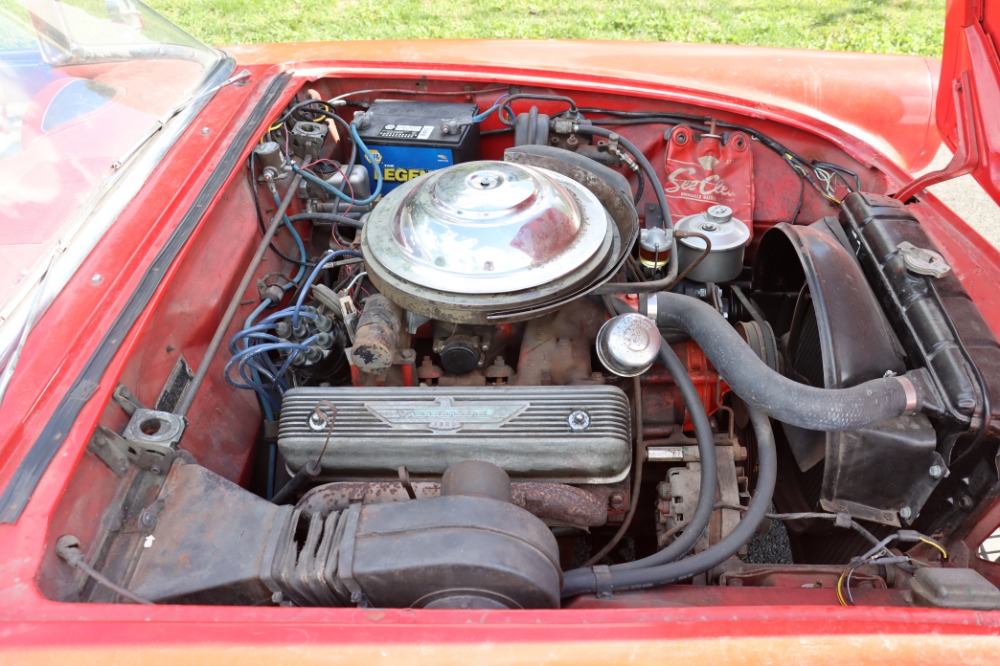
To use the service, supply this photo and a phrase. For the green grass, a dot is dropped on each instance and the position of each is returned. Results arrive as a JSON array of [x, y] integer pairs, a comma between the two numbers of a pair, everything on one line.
[[886, 26]]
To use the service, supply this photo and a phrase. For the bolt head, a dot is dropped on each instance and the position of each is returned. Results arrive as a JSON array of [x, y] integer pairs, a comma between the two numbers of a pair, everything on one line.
[[579, 420], [906, 513], [96, 279], [936, 471]]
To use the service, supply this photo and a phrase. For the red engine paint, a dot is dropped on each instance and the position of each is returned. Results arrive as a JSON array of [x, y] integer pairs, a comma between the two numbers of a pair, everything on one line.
[[662, 405]]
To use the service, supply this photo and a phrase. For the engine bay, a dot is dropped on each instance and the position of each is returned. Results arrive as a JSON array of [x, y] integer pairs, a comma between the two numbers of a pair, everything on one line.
[[480, 346]]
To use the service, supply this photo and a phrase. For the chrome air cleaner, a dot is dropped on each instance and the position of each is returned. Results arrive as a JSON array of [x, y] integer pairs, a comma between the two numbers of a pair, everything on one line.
[[488, 242]]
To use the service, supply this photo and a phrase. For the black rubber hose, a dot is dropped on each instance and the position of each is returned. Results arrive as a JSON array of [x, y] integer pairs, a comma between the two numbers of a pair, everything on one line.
[[585, 581], [702, 515], [706, 451], [292, 487], [774, 394], [328, 217], [640, 187], [673, 265], [654, 180]]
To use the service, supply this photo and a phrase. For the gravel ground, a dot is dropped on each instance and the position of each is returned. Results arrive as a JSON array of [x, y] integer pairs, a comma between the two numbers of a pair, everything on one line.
[[770, 546], [966, 197]]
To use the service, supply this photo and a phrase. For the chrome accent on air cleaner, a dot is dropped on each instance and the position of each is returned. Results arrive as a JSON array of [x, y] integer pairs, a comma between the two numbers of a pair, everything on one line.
[[486, 242]]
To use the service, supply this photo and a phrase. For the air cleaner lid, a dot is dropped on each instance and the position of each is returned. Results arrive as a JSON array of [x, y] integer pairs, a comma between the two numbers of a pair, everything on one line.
[[487, 228]]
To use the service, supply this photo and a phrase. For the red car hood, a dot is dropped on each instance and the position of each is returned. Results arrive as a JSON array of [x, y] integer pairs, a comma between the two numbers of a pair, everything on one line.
[[969, 94]]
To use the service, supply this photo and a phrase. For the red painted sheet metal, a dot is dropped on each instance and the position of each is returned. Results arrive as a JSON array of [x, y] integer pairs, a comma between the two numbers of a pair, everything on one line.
[[882, 100], [44, 627], [734, 635], [76, 321], [970, 47]]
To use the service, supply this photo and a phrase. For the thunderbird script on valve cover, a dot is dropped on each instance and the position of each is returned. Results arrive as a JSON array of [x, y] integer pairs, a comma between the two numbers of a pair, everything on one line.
[[352, 334]]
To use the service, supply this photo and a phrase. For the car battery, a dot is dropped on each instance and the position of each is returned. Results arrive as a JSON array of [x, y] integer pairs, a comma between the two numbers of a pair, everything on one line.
[[409, 138]]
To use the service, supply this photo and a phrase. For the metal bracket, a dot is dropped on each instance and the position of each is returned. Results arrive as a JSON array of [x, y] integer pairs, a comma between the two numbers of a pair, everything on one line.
[[175, 387], [127, 400], [603, 583], [148, 442], [350, 316], [966, 157], [109, 446], [654, 215]]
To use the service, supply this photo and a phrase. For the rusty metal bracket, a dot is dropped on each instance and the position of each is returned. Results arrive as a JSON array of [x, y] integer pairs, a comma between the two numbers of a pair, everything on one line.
[[127, 400], [148, 442], [110, 447], [118, 453], [966, 158]]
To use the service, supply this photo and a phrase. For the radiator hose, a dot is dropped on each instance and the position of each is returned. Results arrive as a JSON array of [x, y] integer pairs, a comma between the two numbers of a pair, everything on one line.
[[766, 393], [704, 436], [646, 574], [781, 398]]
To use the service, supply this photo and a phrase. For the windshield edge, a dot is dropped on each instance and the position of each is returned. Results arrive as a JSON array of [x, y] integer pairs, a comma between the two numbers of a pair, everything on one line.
[[90, 224]]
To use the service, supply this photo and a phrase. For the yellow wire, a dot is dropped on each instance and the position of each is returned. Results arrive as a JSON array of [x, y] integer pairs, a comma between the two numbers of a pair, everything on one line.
[[939, 547], [269, 130], [840, 594], [840, 581], [319, 119], [802, 172]]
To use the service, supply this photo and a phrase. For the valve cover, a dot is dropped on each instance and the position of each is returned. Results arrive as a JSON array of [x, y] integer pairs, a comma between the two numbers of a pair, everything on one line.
[[566, 434]]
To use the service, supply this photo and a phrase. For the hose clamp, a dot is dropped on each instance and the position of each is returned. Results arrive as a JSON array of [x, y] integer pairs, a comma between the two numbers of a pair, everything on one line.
[[910, 391], [651, 310], [603, 585]]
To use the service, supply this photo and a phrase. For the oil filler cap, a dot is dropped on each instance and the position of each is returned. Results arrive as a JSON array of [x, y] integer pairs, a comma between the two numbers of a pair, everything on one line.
[[628, 344]]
